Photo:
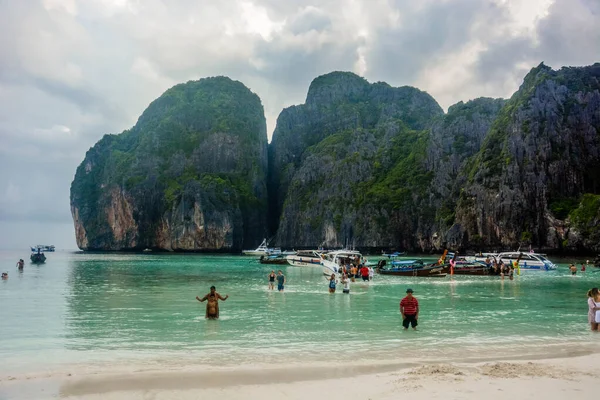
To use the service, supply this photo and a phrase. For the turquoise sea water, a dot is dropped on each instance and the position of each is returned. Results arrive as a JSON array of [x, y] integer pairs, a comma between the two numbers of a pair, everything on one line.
[[100, 309]]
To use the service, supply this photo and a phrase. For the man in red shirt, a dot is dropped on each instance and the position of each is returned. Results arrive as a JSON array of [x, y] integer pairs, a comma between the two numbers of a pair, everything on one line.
[[364, 272], [409, 308]]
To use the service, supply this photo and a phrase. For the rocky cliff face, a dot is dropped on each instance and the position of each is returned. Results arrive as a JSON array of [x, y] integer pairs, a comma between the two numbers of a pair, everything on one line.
[[358, 164], [536, 179], [189, 176], [339, 103]]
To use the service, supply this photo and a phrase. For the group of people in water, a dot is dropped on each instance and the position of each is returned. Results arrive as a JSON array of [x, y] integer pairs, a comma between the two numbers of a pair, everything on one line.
[[20, 266]]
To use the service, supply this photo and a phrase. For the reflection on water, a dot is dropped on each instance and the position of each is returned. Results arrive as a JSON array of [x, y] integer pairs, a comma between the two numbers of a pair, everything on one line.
[[104, 307]]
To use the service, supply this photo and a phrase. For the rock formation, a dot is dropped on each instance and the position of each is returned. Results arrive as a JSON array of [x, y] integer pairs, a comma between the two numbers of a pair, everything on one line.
[[358, 164], [189, 176]]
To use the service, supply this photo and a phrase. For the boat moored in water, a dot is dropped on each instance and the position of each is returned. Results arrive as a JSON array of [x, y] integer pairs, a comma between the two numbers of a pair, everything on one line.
[[305, 258], [333, 260], [262, 250], [529, 261], [410, 268], [38, 258], [277, 259]]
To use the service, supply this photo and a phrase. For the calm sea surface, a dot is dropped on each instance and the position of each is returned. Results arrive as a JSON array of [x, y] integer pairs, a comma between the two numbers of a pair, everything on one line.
[[104, 309]]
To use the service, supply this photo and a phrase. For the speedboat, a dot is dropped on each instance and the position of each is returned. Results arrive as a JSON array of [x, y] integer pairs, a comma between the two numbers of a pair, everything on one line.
[[332, 261], [262, 250], [529, 261], [305, 258]]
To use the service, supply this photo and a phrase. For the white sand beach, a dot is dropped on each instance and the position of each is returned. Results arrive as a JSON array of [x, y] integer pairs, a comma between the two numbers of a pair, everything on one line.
[[574, 377]]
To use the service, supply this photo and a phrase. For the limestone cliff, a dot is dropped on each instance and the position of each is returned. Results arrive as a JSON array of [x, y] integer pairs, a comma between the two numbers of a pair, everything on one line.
[[536, 179], [189, 176], [343, 104]]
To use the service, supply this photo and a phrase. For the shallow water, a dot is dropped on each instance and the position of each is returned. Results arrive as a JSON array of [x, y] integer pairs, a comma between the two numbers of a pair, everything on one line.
[[97, 309]]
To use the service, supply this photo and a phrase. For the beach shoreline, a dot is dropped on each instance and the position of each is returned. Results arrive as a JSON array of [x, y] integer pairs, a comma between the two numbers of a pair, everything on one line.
[[506, 377]]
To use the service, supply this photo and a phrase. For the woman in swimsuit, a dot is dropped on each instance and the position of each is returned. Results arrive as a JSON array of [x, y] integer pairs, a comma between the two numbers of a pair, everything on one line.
[[272, 280], [212, 307], [332, 283]]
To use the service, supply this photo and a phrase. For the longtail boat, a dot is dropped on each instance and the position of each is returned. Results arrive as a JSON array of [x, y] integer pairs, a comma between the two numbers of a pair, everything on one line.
[[410, 268]]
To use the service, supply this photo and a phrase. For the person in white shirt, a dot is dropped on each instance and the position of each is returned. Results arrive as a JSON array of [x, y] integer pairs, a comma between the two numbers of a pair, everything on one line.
[[346, 283], [371, 273]]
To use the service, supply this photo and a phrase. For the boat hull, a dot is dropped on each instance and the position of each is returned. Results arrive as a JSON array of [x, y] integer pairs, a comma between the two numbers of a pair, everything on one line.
[[278, 261], [433, 271], [297, 261], [38, 258]]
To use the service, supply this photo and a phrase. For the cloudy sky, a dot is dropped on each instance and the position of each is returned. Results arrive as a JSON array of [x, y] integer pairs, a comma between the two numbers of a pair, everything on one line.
[[73, 70]]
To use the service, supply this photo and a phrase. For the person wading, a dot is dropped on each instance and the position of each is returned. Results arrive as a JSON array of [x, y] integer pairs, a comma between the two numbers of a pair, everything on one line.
[[409, 308], [212, 307], [272, 280]]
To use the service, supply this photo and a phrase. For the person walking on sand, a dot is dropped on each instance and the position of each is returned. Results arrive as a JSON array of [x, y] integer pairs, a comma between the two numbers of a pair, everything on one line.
[[409, 309], [280, 280], [332, 283], [212, 307], [594, 307], [272, 280]]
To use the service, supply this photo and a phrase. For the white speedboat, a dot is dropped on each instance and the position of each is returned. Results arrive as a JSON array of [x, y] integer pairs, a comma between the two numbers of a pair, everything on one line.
[[529, 261], [305, 258], [263, 250], [332, 261]]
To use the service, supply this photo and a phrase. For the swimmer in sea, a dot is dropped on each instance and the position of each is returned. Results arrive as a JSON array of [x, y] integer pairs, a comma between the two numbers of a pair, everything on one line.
[[20, 264], [5, 275], [212, 307]]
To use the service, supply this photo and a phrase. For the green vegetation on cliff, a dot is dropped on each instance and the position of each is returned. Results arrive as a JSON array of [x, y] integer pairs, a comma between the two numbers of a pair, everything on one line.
[[206, 138]]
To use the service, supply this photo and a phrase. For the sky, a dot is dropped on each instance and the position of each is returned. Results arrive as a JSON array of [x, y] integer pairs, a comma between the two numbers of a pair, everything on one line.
[[74, 70]]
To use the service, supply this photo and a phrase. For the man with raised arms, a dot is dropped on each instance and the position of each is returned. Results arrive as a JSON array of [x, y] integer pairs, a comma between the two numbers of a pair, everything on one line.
[[212, 307]]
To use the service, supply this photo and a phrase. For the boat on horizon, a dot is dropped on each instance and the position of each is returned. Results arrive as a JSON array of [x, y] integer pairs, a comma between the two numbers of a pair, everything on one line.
[[43, 247]]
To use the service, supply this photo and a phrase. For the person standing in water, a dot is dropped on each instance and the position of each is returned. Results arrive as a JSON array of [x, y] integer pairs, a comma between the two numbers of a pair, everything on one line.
[[20, 264], [280, 280], [346, 282], [573, 269], [364, 273], [5, 275], [593, 307], [332, 283], [212, 307], [409, 309], [272, 280], [582, 267]]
